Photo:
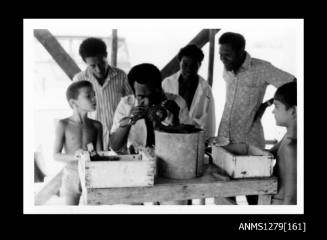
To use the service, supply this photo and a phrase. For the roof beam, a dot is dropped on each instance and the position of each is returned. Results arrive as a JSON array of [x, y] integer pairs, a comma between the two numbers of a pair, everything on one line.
[[57, 52], [200, 40]]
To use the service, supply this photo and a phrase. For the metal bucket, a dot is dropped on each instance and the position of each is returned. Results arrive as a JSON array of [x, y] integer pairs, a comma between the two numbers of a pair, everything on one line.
[[180, 155]]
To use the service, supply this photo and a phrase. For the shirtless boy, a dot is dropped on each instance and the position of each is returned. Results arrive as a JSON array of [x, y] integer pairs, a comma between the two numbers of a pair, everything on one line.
[[285, 150], [73, 134]]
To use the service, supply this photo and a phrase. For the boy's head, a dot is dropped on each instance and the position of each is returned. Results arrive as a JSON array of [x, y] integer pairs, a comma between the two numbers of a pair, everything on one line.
[[285, 102], [80, 95], [94, 53], [145, 80], [190, 58]]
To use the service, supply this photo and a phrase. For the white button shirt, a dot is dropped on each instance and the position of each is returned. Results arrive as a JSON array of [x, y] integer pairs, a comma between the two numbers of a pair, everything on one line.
[[202, 110]]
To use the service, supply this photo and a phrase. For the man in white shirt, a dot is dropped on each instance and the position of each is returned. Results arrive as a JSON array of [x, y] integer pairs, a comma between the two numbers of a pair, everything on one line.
[[194, 89], [132, 126]]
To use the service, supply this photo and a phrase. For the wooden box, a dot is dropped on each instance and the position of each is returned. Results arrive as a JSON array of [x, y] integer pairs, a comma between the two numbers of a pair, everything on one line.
[[125, 171], [243, 161]]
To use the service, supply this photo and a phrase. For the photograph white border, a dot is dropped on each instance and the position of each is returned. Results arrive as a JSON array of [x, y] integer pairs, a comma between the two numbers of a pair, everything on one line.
[[28, 200]]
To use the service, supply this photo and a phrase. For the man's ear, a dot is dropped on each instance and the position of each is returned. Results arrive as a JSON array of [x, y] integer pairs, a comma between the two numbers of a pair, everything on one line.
[[242, 52], [72, 103]]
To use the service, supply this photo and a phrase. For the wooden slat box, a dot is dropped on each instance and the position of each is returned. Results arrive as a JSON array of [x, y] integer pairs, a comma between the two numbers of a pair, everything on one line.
[[126, 171], [243, 161]]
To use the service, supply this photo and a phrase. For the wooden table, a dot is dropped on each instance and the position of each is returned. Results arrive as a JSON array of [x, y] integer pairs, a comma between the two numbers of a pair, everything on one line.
[[212, 184]]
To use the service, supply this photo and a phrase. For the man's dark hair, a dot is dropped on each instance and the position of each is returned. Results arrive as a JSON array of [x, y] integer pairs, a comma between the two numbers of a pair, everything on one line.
[[145, 73], [191, 51], [236, 40], [73, 89], [92, 47], [287, 94]]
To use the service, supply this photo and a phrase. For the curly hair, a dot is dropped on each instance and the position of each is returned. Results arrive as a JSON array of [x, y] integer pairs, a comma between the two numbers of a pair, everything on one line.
[[287, 94], [236, 40], [191, 51], [92, 47], [145, 73]]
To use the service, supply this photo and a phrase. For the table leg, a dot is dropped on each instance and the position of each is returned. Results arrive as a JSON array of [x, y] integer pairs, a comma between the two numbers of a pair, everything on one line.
[[224, 201], [264, 199]]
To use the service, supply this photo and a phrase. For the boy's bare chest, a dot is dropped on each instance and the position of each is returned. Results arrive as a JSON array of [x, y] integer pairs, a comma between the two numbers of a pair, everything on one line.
[[80, 134]]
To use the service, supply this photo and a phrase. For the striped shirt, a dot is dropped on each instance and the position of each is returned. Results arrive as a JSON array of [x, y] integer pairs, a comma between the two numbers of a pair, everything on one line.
[[107, 96], [245, 93]]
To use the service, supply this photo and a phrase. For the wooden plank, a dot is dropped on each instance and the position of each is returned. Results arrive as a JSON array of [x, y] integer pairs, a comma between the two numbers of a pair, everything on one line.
[[242, 161], [200, 40], [57, 52], [127, 157], [212, 33], [114, 48], [106, 174], [224, 201], [224, 160], [182, 190], [253, 166], [264, 199], [51, 188]]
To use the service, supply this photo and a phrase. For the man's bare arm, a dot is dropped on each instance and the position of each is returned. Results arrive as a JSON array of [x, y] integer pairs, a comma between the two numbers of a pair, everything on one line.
[[289, 157], [119, 137], [99, 142], [262, 109]]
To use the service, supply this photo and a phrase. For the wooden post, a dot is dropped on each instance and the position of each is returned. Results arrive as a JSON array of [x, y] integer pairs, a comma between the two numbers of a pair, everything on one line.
[[57, 52], [224, 201], [264, 199], [114, 48], [212, 33], [50, 189], [200, 40]]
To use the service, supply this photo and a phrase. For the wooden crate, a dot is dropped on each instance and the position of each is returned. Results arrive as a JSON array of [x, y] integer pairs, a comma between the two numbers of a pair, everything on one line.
[[128, 171], [243, 161]]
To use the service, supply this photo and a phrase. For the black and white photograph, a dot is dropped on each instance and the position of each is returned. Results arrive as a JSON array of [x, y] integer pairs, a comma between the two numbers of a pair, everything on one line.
[[163, 116]]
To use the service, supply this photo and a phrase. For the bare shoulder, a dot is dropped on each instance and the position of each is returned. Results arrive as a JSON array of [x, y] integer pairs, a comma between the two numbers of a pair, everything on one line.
[[288, 151], [62, 123]]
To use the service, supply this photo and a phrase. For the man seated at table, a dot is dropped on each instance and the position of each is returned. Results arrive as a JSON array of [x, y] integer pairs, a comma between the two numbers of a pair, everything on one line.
[[133, 125]]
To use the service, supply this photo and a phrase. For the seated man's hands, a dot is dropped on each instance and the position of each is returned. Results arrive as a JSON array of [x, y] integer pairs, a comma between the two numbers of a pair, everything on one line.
[[156, 115], [137, 113], [172, 107]]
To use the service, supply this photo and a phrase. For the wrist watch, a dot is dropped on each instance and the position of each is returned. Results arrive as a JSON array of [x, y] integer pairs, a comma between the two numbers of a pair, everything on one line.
[[129, 123]]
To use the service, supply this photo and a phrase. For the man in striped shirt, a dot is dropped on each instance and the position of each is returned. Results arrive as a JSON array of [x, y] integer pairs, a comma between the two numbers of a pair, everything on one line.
[[110, 84]]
